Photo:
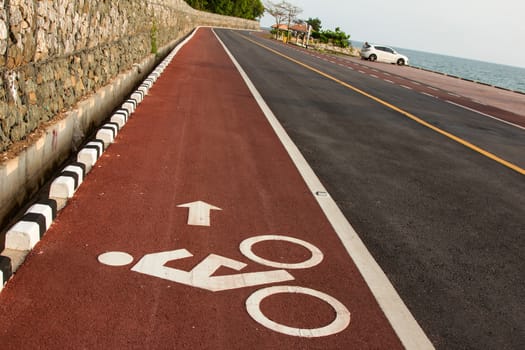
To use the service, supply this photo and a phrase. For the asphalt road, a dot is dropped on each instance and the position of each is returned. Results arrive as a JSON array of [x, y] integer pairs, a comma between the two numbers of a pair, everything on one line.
[[445, 222], [435, 191]]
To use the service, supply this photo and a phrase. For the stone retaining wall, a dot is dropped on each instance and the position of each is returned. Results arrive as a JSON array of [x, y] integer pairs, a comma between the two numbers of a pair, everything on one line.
[[53, 53], [64, 66]]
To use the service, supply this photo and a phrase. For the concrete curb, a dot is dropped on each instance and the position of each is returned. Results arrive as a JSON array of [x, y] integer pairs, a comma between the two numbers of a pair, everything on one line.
[[22, 237], [469, 80]]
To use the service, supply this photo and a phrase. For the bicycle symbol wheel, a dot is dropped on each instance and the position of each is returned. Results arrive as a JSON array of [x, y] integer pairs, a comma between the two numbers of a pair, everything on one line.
[[341, 321]]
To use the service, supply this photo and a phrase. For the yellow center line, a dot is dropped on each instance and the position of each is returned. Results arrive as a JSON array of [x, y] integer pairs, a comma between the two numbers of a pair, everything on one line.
[[397, 109]]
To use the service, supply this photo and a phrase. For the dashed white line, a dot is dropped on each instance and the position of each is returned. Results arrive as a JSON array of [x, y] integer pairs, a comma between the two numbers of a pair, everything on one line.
[[429, 95], [374, 76], [452, 94], [481, 103], [388, 75], [432, 88], [389, 81], [485, 114], [362, 72], [406, 87]]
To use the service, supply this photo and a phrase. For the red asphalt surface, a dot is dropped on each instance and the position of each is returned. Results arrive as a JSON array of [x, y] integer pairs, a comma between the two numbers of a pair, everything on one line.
[[199, 135]]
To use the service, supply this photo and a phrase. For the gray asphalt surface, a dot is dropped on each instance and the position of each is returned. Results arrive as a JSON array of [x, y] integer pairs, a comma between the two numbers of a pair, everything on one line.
[[445, 223]]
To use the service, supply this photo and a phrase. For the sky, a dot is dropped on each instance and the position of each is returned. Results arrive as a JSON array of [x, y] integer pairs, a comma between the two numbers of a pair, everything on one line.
[[485, 30]]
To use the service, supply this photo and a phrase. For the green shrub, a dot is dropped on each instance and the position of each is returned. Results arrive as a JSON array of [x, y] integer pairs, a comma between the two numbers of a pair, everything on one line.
[[153, 37]]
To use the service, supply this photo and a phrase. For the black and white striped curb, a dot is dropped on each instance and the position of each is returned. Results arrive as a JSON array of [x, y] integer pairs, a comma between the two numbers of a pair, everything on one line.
[[27, 232]]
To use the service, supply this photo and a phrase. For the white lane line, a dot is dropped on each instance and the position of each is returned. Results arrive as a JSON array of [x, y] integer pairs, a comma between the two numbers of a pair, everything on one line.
[[481, 103], [485, 114], [362, 72], [374, 76], [387, 74], [416, 83], [432, 88], [395, 310], [406, 87], [389, 81], [453, 94], [429, 95]]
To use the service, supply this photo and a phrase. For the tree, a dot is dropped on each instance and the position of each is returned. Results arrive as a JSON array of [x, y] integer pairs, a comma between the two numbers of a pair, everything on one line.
[[249, 9], [315, 23], [252, 9], [337, 37], [276, 11], [283, 12], [198, 4], [222, 7], [292, 12], [257, 9]]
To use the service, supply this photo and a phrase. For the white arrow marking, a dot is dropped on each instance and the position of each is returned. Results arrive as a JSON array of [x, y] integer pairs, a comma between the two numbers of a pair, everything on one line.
[[199, 213]]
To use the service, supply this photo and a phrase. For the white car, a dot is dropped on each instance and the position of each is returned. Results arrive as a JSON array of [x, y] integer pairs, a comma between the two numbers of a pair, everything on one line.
[[382, 53]]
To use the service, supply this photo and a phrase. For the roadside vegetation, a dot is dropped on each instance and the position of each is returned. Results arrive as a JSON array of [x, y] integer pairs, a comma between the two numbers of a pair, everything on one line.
[[287, 20], [248, 9], [337, 38]]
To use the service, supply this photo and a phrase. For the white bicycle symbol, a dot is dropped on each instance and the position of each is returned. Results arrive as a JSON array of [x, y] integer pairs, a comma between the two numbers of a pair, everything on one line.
[[201, 276]]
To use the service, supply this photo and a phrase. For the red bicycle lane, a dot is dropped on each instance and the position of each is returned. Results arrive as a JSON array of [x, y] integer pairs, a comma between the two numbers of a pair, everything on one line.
[[265, 271]]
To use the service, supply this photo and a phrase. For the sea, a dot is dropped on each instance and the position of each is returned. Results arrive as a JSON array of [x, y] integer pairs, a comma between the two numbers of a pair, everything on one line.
[[508, 77]]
